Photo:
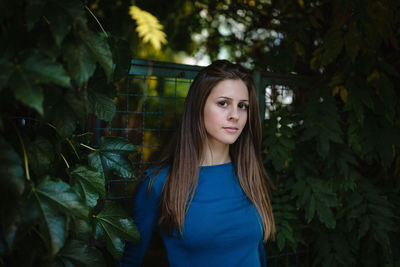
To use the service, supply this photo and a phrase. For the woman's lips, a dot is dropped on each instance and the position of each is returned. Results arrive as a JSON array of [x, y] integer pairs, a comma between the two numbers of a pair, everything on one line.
[[231, 129]]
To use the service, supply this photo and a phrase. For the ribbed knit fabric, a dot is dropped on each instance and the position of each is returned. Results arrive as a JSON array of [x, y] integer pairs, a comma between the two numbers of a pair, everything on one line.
[[222, 227]]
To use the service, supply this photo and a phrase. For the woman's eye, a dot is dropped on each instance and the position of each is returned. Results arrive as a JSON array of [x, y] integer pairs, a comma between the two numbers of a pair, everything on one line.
[[223, 103], [243, 106]]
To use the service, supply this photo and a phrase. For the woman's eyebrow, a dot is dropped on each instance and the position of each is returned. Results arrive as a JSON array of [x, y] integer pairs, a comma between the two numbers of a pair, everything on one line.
[[228, 98]]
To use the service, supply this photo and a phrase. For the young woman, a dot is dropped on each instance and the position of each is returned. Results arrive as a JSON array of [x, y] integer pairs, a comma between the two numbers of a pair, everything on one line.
[[210, 196]]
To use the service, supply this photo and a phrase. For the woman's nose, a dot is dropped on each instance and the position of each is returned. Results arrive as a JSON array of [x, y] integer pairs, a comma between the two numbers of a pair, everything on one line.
[[233, 114]]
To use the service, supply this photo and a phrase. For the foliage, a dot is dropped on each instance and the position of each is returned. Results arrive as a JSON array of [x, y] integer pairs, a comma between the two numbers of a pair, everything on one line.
[[56, 72], [178, 19], [148, 27], [335, 155]]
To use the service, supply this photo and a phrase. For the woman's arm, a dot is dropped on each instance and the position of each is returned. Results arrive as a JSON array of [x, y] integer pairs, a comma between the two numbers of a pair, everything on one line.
[[263, 257], [144, 214]]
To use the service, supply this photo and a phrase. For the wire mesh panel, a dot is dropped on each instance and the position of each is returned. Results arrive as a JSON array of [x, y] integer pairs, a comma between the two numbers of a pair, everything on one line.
[[149, 107]]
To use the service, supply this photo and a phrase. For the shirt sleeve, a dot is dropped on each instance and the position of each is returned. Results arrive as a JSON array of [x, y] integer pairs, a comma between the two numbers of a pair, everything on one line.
[[144, 214], [263, 257]]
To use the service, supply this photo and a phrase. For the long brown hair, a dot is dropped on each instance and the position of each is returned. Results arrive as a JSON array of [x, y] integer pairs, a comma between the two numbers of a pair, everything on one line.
[[187, 149]]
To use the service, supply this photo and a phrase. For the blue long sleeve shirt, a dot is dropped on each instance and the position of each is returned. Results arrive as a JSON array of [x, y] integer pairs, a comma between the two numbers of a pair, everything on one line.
[[222, 227]]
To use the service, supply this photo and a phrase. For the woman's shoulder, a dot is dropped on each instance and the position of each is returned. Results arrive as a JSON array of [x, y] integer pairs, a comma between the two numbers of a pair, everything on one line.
[[156, 176]]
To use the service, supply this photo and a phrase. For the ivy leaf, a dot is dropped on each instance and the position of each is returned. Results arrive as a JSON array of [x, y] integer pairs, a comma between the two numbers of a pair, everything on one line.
[[78, 253], [60, 21], [99, 48], [102, 106], [63, 117], [64, 109], [112, 157], [114, 226], [6, 68], [61, 195], [82, 229], [89, 183], [11, 172], [80, 62], [25, 90], [41, 155], [37, 69], [148, 27], [54, 225], [44, 69]]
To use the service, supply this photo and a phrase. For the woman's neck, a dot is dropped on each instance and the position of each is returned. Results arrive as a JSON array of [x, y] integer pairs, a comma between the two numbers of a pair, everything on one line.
[[215, 154]]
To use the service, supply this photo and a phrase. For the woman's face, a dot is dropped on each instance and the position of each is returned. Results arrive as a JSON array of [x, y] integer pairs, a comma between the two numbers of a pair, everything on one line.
[[225, 111]]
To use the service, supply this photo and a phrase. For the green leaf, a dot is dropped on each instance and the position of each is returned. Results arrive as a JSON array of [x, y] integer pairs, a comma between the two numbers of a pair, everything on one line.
[[54, 225], [114, 226], [121, 57], [11, 171], [6, 68], [78, 104], [41, 155], [97, 44], [80, 63], [333, 249], [310, 210], [321, 122], [325, 215], [78, 253], [364, 227], [280, 240], [25, 90], [63, 119], [320, 198], [61, 195], [90, 183], [352, 41], [82, 229], [333, 44], [37, 69], [60, 21], [112, 157], [102, 106], [44, 69]]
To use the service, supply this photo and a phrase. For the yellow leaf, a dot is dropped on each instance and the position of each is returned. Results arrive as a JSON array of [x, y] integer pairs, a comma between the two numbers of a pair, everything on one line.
[[343, 94], [252, 3], [286, 164], [335, 90], [148, 27], [374, 75], [301, 3]]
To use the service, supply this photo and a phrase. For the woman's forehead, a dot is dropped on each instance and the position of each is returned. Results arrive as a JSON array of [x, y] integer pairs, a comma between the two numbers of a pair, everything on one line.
[[232, 89]]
